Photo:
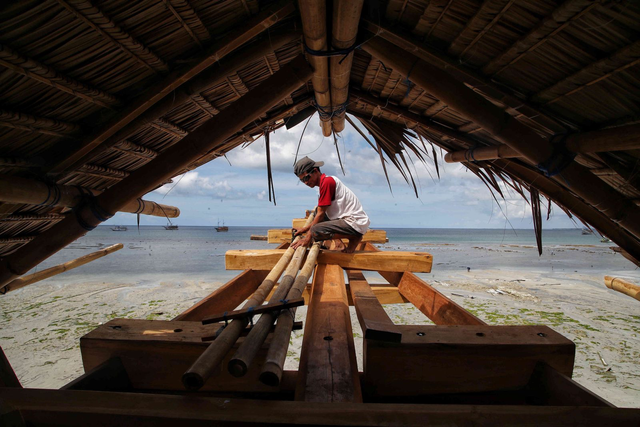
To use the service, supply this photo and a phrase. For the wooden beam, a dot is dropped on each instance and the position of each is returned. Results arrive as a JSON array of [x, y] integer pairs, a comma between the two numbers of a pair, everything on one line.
[[15, 189], [507, 130], [23, 281], [468, 76], [149, 347], [374, 321], [265, 259], [462, 359], [53, 78], [227, 297], [108, 376], [384, 293], [8, 376], [110, 31], [174, 159], [245, 313], [284, 235], [81, 408], [164, 88], [328, 370], [552, 388]]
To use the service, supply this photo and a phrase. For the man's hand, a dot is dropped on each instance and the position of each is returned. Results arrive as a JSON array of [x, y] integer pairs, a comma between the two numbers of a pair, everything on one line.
[[302, 242], [301, 230]]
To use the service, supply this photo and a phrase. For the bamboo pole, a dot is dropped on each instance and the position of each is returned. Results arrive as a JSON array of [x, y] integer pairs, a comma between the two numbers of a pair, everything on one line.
[[61, 268], [177, 157], [274, 363], [314, 16], [482, 153], [621, 285], [507, 130], [241, 360], [196, 376], [346, 15], [14, 189]]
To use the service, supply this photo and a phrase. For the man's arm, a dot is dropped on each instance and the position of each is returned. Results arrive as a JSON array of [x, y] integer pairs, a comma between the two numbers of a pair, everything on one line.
[[320, 216]]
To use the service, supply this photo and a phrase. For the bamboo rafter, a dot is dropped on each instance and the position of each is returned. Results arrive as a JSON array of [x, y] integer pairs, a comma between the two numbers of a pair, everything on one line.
[[49, 76], [176, 7], [99, 22], [170, 128], [37, 124], [135, 150]]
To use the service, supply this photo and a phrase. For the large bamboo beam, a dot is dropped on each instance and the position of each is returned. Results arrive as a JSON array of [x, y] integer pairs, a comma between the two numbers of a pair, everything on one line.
[[615, 139], [346, 15], [167, 85], [176, 158], [473, 79], [507, 130], [14, 189], [314, 16], [623, 286], [58, 269]]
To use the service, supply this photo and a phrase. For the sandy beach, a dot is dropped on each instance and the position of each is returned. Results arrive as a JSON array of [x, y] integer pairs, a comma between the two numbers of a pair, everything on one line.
[[42, 323]]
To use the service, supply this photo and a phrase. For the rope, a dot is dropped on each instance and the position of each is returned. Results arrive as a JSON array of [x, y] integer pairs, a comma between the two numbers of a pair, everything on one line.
[[560, 158], [327, 53], [468, 155], [98, 212]]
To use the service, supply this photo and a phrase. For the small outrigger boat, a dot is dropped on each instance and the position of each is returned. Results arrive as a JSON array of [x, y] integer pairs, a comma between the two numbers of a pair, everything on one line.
[[119, 228]]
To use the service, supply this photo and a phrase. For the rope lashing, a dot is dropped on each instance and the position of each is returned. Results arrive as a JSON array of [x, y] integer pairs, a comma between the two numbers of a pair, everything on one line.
[[98, 212], [560, 158], [328, 53], [468, 155]]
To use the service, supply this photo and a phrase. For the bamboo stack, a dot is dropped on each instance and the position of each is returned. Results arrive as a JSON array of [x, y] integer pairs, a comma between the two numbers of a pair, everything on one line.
[[202, 369], [314, 16], [60, 268], [621, 285], [346, 15], [274, 363], [14, 189]]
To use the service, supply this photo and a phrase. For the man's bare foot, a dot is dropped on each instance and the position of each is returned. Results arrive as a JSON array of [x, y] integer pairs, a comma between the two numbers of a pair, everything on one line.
[[353, 244]]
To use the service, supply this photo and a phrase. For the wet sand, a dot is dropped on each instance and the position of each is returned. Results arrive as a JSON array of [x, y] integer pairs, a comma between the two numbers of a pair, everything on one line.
[[42, 323]]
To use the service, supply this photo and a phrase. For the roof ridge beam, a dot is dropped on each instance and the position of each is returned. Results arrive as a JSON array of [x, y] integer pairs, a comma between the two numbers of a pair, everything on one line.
[[49, 76], [96, 19], [166, 87]]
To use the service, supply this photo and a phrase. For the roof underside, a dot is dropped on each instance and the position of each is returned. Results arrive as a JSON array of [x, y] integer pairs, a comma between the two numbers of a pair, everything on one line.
[[93, 91]]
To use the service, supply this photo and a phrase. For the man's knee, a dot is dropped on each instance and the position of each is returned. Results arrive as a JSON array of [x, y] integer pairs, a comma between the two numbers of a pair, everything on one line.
[[318, 234]]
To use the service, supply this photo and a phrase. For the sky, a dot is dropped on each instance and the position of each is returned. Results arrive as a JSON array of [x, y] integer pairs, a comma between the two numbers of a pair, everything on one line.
[[234, 189]]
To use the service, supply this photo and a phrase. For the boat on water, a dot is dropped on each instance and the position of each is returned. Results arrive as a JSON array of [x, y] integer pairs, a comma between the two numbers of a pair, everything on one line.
[[170, 226], [119, 228], [586, 231], [222, 227]]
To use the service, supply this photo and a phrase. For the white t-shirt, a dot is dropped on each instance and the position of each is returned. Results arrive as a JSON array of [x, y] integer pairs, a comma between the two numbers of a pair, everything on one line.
[[344, 204]]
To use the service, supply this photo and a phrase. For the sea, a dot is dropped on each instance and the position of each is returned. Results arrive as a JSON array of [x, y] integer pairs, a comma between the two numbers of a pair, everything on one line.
[[152, 254]]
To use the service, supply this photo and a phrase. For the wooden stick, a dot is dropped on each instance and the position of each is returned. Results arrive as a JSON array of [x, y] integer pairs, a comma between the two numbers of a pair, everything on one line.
[[198, 143], [195, 377], [621, 285], [14, 189], [274, 363], [252, 311], [61, 268], [241, 360]]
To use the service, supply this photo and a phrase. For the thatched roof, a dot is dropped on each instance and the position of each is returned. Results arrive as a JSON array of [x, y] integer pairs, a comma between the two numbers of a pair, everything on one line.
[[94, 93]]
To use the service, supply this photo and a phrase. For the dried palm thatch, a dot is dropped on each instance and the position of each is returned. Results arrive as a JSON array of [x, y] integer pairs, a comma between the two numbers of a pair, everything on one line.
[[95, 92]]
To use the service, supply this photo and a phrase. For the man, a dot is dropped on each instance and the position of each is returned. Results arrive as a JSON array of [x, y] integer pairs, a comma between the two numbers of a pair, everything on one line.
[[339, 214]]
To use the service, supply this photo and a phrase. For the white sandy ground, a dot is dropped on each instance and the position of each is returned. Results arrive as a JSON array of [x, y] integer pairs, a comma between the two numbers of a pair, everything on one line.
[[41, 324]]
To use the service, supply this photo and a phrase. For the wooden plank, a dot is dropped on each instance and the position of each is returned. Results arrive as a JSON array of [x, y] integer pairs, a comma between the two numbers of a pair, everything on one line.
[[227, 297], [385, 294], [83, 408], [280, 235], [156, 353], [298, 223], [8, 376], [550, 387], [374, 321], [265, 259], [252, 311], [462, 359], [437, 307], [108, 376], [328, 370]]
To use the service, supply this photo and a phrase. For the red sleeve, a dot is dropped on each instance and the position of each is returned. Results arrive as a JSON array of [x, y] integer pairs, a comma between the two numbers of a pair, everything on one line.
[[327, 191]]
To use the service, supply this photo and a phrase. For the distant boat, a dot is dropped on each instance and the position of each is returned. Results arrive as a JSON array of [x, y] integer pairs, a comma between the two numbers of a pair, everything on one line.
[[222, 228], [605, 240], [586, 231], [170, 226], [119, 228]]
